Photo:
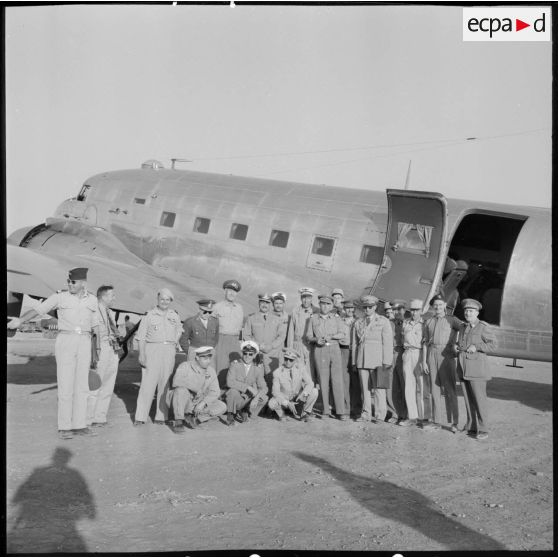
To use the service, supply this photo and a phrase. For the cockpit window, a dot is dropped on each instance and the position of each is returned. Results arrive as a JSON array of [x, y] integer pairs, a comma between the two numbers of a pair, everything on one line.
[[413, 238], [83, 192]]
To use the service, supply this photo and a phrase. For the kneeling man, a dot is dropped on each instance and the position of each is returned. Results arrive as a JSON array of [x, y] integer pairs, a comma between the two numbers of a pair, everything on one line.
[[247, 393], [195, 397], [293, 388]]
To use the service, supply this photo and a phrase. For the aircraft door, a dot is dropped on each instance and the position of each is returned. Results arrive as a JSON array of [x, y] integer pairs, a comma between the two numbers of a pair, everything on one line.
[[415, 237]]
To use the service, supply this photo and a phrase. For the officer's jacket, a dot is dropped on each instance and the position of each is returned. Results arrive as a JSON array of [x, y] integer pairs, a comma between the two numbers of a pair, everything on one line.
[[266, 331], [283, 317], [329, 326], [75, 313], [297, 330], [475, 365], [441, 333], [239, 380], [202, 383], [158, 326], [372, 343], [287, 384], [197, 335]]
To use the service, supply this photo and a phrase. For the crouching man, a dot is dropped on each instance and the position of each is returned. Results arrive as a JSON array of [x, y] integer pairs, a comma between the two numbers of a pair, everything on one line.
[[293, 388], [195, 395], [247, 393]]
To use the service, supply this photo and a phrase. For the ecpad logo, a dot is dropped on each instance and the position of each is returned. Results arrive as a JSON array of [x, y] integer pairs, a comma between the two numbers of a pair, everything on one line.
[[506, 24]]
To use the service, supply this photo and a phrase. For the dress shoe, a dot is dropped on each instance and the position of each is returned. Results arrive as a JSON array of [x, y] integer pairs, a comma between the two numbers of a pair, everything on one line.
[[139, 423], [343, 417], [84, 432], [306, 417], [160, 422], [453, 429], [230, 419], [99, 424], [65, 434], [178, 427], [405, 422], [481, 436], [244, 416], [191, 421]]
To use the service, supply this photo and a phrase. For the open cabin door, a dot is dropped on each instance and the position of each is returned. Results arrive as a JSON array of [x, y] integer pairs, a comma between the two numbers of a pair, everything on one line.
[[415, 236]]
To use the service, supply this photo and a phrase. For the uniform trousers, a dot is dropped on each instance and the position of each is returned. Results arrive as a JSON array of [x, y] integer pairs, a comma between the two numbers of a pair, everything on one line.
[[183, 403], [305, 352], [370, 376], [345, 367], [398, 385], [476, 404], [227, 350], [277, 404], [159, 364], [413, 389], [443, 376], [328, 365], [98, 401], [73, 358], [237, 401]]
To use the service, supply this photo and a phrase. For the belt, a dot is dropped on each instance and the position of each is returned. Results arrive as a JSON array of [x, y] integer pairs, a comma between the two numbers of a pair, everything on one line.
[[332, 342], [413, 348], [229, 334], [162, 342], [440, 345], [76, 331]]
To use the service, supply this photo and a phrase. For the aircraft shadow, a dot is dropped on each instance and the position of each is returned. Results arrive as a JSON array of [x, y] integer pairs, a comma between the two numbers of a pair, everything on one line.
[[533, 394], [405, 506], [39, 370], [50, 502]]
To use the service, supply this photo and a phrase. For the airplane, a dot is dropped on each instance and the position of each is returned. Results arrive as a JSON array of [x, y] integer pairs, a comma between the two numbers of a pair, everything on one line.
[[141, 229]]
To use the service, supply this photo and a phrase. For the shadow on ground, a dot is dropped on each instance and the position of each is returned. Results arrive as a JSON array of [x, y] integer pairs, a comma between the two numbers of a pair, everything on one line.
[[533, 394]]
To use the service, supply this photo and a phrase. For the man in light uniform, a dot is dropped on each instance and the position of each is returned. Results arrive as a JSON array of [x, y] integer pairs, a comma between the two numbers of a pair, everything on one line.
[[247, 393], [107, 358], [298, 328], [231, 317], [158, 336], [325, 330], [439, 361], [195, 394], [201, 330], [338, 297], [279, 300], [372, 351], [77, 318], [292, 388]]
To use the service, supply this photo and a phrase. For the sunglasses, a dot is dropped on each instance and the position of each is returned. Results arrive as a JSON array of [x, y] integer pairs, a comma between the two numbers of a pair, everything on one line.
[[206, 311], [289, 359], [250, 353], [71, 281]]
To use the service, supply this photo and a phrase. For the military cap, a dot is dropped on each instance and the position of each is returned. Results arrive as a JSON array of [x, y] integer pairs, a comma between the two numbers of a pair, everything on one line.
[[368, 300], [290, 353], [264, 297], [204, 351], [348, 304], [388, 306], [338, 291], [279, 296], [206, 304], [415, 304], [471, 303], [306, 291], [232, 284], [325, 298], [78, 274], [249, 345], [435, 298], [164, 291], [398, 303]]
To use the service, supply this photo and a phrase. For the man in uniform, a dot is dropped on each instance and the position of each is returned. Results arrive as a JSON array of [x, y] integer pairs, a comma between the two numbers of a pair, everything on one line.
[[398, 385], [267, 331], [439, 361], [293, 388], [417, 383], [129, 326], [201, 330], [475, 339], [325, 330], [231, 317], [77, 318], [158, 335], [279, 299], [247, 393], [372, 352], [348, 320], [195, 394], [107, 348], [400, 309], [338, 297], [298, 328]]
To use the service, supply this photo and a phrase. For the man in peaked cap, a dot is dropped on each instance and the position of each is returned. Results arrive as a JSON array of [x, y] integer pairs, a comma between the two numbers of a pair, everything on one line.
[[201, 330], [77, 319], [247, 393], [231, 317], [279, 299], [338, 297]]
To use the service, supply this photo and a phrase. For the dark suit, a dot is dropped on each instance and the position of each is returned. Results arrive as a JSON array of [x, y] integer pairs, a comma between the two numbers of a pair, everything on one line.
[[238, 382], [196, 335]]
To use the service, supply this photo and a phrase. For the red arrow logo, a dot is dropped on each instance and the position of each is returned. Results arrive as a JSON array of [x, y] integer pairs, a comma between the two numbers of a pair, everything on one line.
[[519, 25]]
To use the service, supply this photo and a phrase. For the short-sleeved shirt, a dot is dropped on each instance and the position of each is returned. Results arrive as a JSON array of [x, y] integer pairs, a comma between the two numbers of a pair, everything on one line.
[[230, 316], [159, 326], [75, 313], [413, 333]]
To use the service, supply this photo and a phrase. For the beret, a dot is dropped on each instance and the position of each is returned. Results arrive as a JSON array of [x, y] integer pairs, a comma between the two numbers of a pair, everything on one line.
[[78, 274], [435, 298]]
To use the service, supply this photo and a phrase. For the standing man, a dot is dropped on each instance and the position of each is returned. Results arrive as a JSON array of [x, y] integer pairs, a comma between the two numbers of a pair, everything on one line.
[[77, 319], [348, 320], [247, 393], [297, 330], [475, 339], [107, 347], [129, 326], [231, 316], [158, 336], [292, 388], [325, 330], [338, 297], [195, 394], [201, 330], [398, 385], [439, 361], [279, 299], [372, 351]]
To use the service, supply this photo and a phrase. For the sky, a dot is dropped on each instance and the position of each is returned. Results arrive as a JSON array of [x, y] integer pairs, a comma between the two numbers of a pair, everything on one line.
[[343, 96]]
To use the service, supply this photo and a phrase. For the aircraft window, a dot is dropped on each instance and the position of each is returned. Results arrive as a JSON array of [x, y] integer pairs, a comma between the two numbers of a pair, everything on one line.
[[371, 254], [279, 238], [201, 225], [238, 231], [167, 219], [83, 192], [414, 239], [140, 201], [323, 246]]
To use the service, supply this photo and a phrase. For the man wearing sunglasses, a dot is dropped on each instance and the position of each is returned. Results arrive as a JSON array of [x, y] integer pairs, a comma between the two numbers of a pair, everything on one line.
[[77, 319], [247, 393], [293, 388], [201, 330]]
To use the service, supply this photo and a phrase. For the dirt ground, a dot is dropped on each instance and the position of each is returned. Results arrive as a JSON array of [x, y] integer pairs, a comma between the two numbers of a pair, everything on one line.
[[326, 485]]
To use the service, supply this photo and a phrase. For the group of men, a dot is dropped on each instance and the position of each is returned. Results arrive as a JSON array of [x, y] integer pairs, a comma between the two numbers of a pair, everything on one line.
[[395, 366]]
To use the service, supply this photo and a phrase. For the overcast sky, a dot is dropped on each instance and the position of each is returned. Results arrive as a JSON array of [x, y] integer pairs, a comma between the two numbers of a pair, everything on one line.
[[97, 88]]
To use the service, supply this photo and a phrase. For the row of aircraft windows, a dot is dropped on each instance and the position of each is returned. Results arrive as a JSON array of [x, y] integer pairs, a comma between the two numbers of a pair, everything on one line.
[[322, 246]]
